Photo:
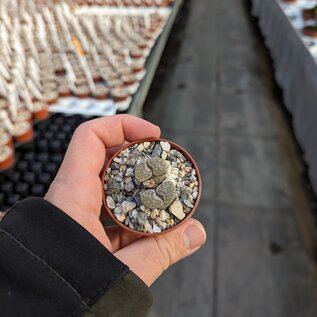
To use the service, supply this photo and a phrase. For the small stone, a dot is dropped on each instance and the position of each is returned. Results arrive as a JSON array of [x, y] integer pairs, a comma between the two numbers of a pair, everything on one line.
[[137, 200], [129, 172], [187, 203], [188, 169], [157, 150], [146, 144], [114, 166], [148, 227], [176, 208], [128, 187], [164, 155], [142, 207], [142, 218], [123, 168], [110, 203], [142, 172], [194, 195], [117, 210], [106, 178], [164, 215], [180, 155], [170, 222], [154, 214], [161, 224], [134, 214], [140, 147], [165, 146], [127, 206], [156, 229], [117, 160], [185, 192], [181, 174], [120, 217], [131, 161]]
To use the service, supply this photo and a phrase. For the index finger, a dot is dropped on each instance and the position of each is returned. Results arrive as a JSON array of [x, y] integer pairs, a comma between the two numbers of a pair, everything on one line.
[[87, 150]]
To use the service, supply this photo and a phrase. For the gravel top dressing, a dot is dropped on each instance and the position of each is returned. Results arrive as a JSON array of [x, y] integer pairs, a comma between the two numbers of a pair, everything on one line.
[[151, 186]]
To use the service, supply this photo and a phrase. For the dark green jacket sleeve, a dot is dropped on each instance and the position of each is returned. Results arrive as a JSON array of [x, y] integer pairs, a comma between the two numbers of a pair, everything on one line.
[[51, 266]]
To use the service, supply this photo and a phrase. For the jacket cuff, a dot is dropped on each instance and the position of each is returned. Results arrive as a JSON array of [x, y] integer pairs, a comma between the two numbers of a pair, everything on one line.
[[61, 246]]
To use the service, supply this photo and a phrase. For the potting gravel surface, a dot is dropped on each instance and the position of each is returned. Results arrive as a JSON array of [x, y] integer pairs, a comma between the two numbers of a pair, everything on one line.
[[151, 187]]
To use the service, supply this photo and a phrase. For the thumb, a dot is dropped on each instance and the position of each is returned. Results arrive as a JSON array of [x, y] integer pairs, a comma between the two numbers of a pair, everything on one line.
[[150, 257]]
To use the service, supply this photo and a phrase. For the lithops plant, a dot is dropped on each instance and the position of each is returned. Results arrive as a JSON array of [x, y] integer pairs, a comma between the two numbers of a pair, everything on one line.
[[151, 186]]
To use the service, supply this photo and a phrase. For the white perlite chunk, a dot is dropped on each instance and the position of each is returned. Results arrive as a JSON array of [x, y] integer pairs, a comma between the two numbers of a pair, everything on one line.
[[156, 229], [165, 146], [176, 208], [110, 203], [146, 144]]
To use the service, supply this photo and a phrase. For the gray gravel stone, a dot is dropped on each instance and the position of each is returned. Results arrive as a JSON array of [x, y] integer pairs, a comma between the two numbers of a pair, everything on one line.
[[142, 217], [157, 150], [165, 146], [127, 206], [128, 187]]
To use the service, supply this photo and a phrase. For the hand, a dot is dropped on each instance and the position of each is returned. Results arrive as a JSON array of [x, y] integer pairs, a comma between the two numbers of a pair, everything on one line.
[[77, 191]]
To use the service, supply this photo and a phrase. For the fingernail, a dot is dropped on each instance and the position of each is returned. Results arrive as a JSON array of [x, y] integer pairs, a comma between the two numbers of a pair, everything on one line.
[[194, 236]]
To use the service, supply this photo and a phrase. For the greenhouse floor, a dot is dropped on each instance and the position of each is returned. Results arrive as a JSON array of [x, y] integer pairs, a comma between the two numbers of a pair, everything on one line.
[[214, 93]]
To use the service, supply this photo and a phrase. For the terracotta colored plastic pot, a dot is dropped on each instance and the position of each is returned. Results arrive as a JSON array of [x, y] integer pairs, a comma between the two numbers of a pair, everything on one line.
[[308, 14], [41, 114], [25, 136], [310, 31], [173, 146], [9, 160]]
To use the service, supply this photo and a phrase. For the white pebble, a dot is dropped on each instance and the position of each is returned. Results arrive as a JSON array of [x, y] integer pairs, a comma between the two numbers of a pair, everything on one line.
[[165, 146], [140, 147], [146, 144], [156, 229], [110, 203], [117, 160]]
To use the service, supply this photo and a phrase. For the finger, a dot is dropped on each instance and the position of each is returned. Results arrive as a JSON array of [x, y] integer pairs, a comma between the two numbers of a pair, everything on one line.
[[120, 238], [87, 147], [150, 257]]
